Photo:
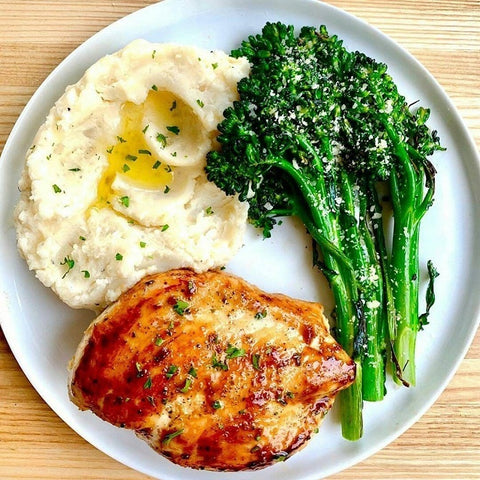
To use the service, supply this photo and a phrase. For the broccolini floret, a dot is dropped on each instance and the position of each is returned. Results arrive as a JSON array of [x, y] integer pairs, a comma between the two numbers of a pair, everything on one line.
[[316, 133]]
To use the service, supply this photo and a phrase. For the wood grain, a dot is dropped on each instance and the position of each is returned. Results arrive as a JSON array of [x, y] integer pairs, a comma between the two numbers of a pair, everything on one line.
[[36, 35]]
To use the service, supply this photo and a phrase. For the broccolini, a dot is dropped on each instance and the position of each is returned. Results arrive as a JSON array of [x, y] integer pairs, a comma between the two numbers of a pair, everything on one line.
[[318, 133]]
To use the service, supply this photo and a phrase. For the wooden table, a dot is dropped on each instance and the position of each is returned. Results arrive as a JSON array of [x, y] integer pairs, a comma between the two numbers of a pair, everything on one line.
[[35, 35]]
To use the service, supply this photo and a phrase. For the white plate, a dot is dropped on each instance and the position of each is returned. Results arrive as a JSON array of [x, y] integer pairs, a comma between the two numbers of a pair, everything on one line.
[[43, 333]]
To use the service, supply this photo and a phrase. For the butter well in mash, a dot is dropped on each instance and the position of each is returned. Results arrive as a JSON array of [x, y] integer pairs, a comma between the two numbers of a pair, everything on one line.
[[113, 187]]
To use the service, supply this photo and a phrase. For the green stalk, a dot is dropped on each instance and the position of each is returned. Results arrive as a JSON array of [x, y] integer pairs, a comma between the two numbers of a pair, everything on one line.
[[350, 399], [385, 259], [350, 402], [376, 322], [407, 186], [405, 266], [359, 247], [345, 293], [401, 268], [342, 282], [388, 322]]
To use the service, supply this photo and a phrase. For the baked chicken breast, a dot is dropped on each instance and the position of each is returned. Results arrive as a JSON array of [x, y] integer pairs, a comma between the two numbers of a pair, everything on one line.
[[210, 371]]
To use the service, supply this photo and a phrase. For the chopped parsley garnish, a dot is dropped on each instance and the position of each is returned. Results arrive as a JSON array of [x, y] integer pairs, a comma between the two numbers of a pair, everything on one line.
[[192, 288], [154, 53], [143, 244], [181, 307], [56, 188], [262, 314], [158, 341], [172, 370], [125, 168], [148, 383], [145, 129], [166, 189], [169, 437], [187, 386], [132, 158], [217, 364], [162, 139], [174, 129], [192, 372], [156, 164], [70, 263], [234, 352], [209, 211], [144, 152], [110, 150], [121, 139], [86, 274], [174, 105], [200, 103], [125, 201], [214, 65], [165, 227], [168, 168], [82, 238], [256, 361], [118, 256], [76, 169], [49, 156], [154, 87], [216, 404]]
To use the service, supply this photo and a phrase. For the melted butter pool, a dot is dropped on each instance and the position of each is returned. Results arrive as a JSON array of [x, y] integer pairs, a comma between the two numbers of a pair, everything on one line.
[[131, 156]]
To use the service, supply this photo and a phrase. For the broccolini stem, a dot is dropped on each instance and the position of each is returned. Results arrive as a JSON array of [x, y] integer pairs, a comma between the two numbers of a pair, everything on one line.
[[359, 246], [351, 403], [407, 196], [343, 284], [389, 321], [373, 365], [426, 174], [405, 264], [344, 288]]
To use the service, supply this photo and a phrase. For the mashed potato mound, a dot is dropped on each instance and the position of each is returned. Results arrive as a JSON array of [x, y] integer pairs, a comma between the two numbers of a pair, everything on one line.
[[114, 187]]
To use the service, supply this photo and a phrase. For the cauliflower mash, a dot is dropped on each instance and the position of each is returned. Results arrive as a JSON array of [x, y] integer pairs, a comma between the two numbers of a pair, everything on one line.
[[113, 187]]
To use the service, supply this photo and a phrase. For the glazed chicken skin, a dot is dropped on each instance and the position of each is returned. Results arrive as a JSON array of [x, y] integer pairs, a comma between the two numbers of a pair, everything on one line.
[[210, 371]]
